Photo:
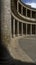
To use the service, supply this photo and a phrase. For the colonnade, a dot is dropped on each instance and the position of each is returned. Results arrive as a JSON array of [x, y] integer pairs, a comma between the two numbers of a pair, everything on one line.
[[28, 12], [20, 28]]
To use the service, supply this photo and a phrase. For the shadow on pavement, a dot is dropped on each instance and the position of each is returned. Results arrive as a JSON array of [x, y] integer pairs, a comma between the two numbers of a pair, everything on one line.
[[6, 59]]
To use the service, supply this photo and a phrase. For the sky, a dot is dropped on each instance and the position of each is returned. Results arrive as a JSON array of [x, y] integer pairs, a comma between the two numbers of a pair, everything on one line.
[[30, 2]]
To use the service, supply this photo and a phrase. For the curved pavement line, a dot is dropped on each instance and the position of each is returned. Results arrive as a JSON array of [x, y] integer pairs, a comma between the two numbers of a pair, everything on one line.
[[16, 51]]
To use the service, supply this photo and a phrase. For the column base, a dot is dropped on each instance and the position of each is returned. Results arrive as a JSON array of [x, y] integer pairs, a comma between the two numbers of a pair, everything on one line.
[[18, 34], [14, 35]]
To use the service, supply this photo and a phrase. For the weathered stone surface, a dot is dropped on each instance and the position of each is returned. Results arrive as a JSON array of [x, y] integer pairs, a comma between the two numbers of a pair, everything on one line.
[[5, 21]]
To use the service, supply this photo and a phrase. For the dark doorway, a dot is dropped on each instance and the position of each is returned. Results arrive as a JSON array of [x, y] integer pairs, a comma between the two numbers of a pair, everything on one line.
[[28, 28], [20, 28], [33, 29], [24, 28], [16, 27]]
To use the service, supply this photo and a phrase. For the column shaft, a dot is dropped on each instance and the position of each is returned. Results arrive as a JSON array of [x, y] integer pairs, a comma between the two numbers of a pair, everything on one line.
[[22, 28], [31, 29], [17, 6], [13, 27], [26, 11], [26, 29], [17, 27], [22, 10]]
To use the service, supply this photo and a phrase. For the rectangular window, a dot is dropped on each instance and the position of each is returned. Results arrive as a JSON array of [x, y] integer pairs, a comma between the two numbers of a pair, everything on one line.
[[19, 7]]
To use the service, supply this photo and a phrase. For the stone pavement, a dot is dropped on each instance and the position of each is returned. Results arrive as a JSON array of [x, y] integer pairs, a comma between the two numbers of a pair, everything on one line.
[[29, 46], [17, 52]]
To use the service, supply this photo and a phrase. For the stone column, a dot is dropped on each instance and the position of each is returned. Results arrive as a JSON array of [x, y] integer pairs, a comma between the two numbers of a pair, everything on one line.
[[26, 29], [22, 10], [26, 11], [17, 6], [5, 22], [22, 28], [13, 27], [30, 29], [18, 28]]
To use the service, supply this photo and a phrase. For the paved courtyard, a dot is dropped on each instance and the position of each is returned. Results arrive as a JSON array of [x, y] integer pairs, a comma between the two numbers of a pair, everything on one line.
[[29, 46]]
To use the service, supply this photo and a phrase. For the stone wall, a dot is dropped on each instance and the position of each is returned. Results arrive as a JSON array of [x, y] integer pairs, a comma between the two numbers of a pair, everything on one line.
[[5, 22]]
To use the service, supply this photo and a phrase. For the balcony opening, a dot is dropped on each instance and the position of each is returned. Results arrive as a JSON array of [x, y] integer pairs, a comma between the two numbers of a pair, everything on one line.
[[33, 14], [24, 11], [19, 8], [15, 4], [28, 13]]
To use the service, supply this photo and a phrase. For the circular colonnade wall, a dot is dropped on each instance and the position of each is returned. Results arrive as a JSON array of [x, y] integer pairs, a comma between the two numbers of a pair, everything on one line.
[[23, 19]]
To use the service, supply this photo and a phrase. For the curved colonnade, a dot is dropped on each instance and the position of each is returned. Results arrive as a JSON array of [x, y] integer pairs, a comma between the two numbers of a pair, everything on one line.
[[23, 19], [22, 26]]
